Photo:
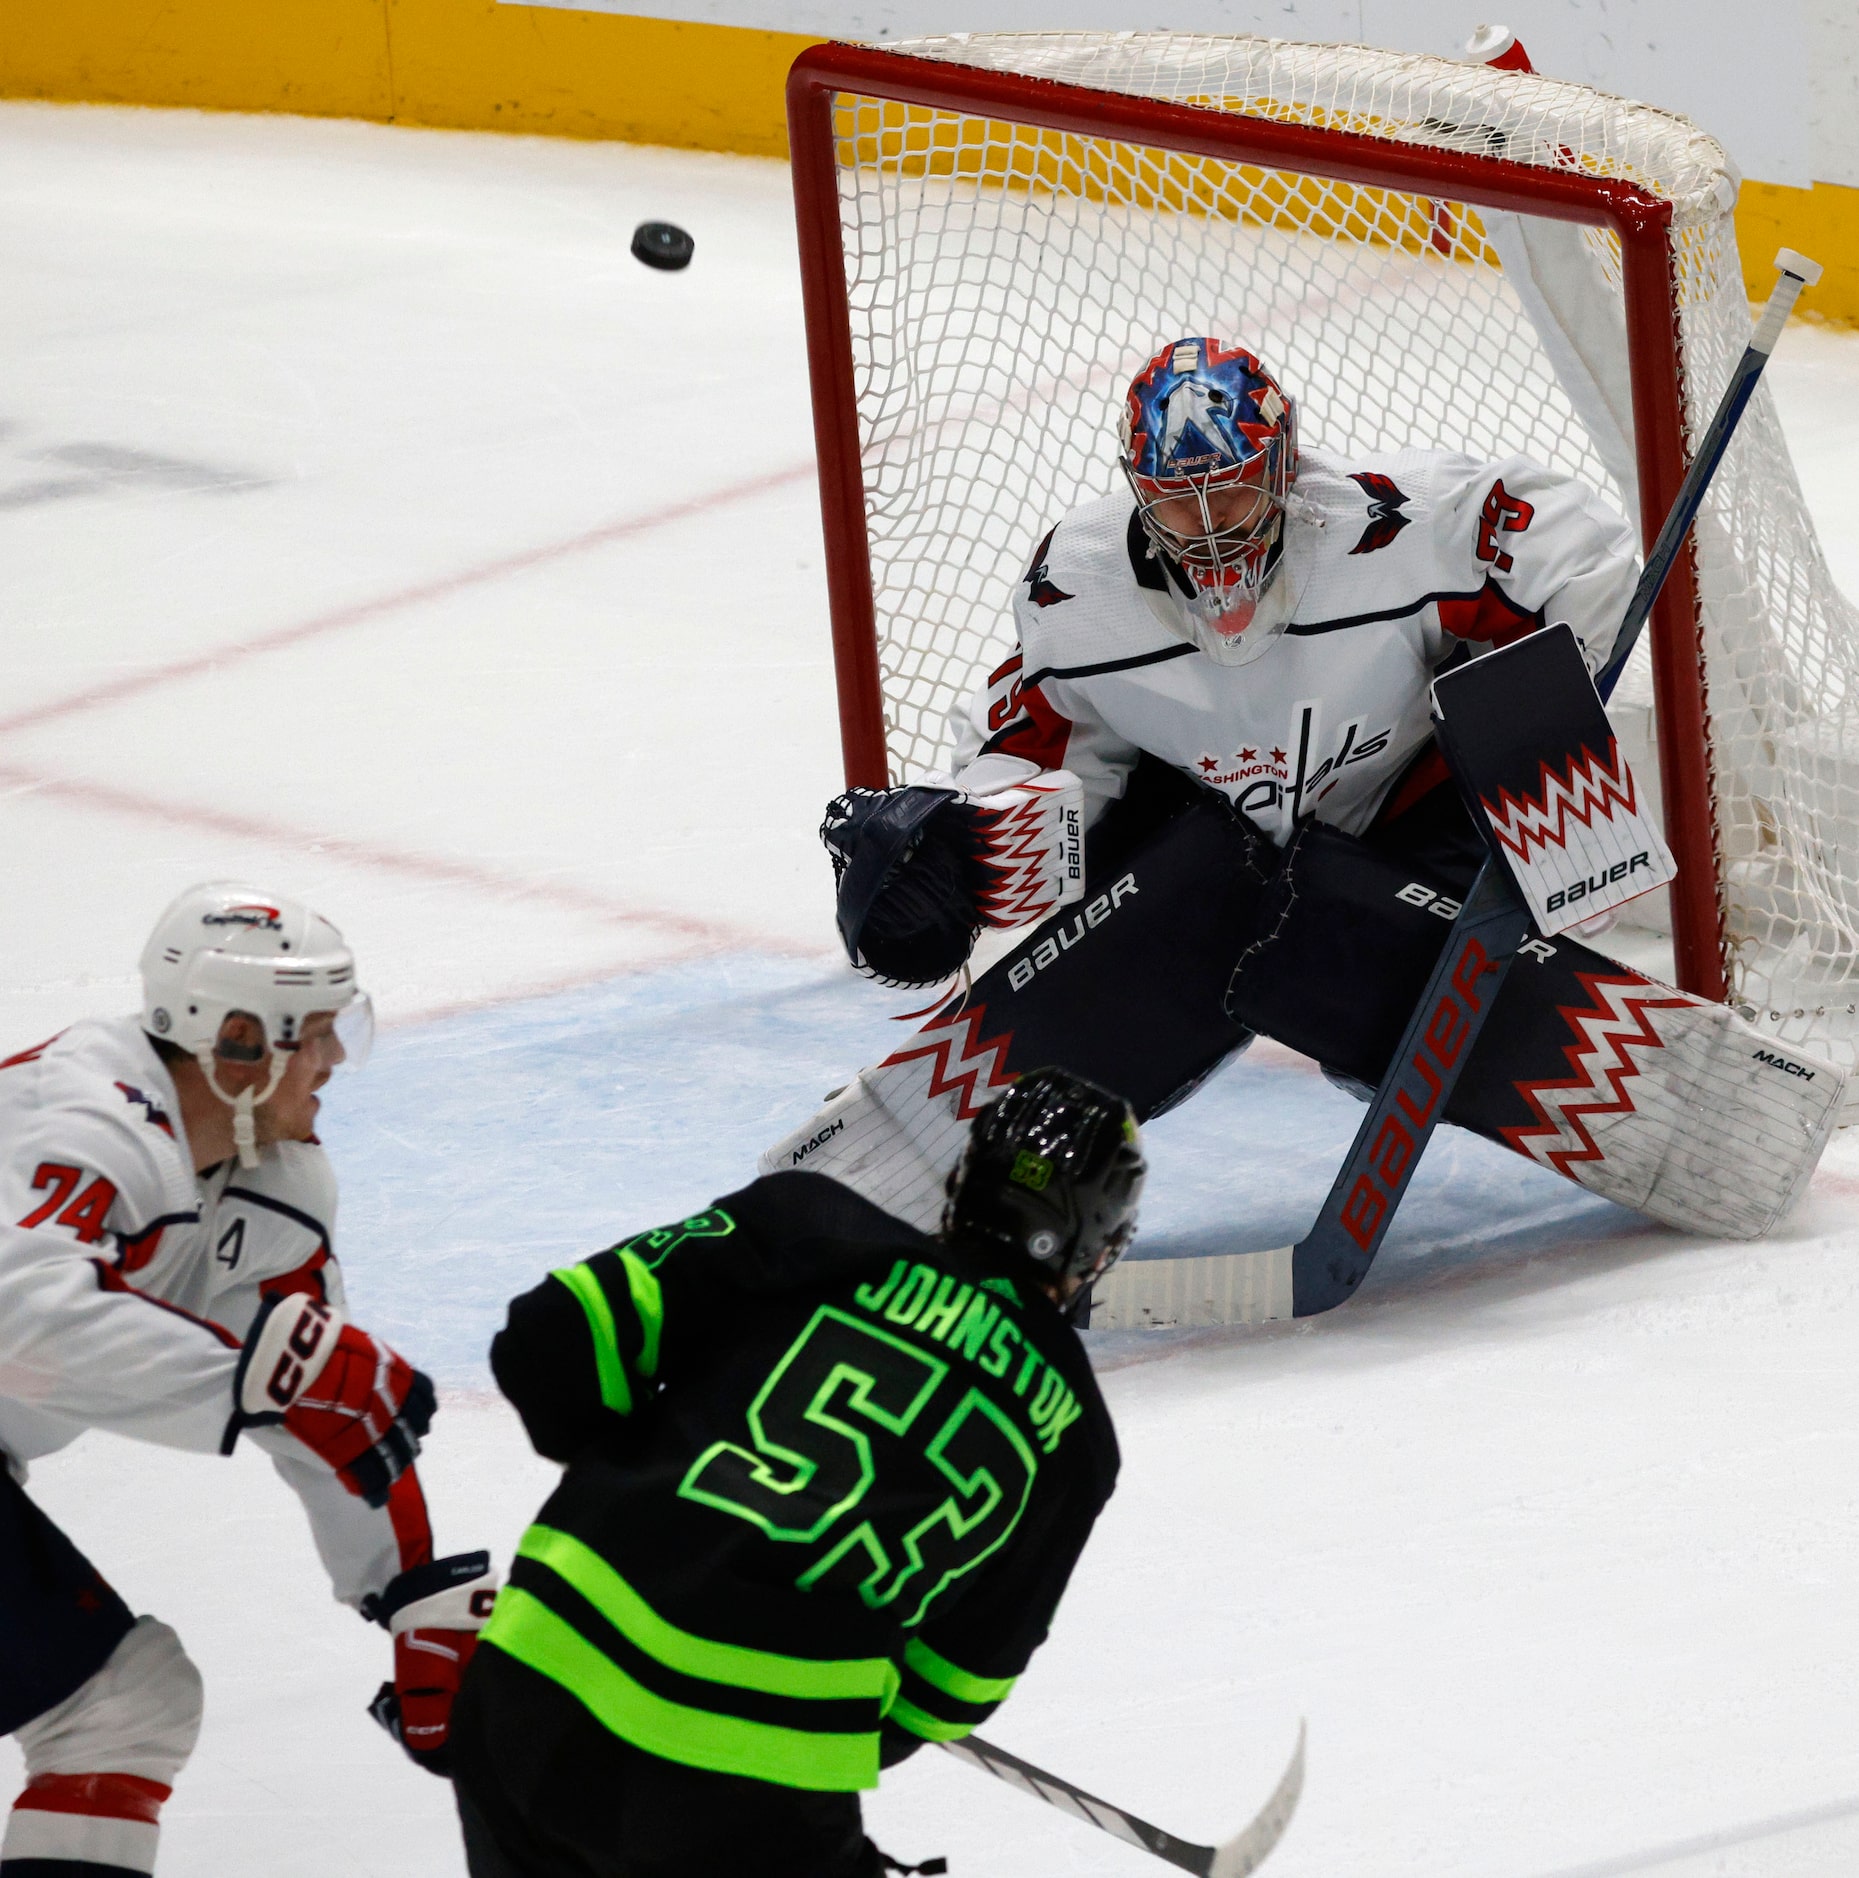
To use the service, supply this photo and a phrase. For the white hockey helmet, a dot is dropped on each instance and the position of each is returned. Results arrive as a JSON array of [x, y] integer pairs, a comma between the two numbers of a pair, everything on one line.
[[224, 947]]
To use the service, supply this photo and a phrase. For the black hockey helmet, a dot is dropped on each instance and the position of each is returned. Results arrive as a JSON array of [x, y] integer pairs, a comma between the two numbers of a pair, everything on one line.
[[1053, 1168]]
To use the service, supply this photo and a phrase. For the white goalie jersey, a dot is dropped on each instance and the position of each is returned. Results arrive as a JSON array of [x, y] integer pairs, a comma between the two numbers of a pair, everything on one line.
[[1392, 565], [128, 1282]]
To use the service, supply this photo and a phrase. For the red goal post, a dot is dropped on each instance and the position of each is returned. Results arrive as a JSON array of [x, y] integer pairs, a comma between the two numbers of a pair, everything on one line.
[[1640, 220]]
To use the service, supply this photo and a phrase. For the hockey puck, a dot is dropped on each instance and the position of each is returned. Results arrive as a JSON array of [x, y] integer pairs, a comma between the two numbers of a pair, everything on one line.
[[663, 245]]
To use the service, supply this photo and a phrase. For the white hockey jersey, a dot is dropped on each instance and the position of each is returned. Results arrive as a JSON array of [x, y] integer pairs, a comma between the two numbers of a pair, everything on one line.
[[128, 1282], [1393, 564]]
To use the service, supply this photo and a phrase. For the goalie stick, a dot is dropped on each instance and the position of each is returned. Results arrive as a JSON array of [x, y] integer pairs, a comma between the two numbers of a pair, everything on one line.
[[1333, 1258], [1245, 1852], [1797, 271]]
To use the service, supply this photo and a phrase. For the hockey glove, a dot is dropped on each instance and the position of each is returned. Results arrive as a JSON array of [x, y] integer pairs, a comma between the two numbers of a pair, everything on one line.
[[920, 870], [435, 1613], [342, 1394]]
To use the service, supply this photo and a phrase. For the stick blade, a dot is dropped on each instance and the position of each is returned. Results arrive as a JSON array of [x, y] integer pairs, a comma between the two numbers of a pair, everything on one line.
[[1246, 1851], [1224, 1288]]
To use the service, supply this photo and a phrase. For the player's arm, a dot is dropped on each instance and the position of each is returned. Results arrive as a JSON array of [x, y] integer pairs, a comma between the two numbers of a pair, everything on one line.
[[963, 1661], [579, 1353], [921, 869], [84, 1191], [1025, 717], [380, 1562], [1524, 546], [376, 1545], [76, 1341], [583, 1351]]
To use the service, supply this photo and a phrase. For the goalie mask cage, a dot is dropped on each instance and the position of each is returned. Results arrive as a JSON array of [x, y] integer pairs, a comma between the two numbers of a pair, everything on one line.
[[996, 230]]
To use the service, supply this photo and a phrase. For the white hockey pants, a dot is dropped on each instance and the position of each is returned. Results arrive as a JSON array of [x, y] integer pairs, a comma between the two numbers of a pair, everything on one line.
[[99, 1764]]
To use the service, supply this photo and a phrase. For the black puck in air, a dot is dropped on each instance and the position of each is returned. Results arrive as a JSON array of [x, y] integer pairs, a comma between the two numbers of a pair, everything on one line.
[[663, 245]]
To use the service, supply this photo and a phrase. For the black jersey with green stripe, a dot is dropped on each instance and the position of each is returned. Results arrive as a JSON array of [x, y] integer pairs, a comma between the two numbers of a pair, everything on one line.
[[823, 1472]]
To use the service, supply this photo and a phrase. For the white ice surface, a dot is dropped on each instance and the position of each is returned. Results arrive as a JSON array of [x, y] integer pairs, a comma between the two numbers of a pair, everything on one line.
[[371, 523]]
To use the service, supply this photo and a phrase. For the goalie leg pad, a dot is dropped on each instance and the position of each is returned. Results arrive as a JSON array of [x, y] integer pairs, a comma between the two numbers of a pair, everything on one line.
[[1125, 988], [1643, 1094], [1660, 1100]]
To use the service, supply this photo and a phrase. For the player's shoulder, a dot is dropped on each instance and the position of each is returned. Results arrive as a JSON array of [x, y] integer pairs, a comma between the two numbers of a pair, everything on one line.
[[1399, 486], [1088, 543], [1420, 484], [96, 1097], [1362, 542], [795, 1208], [1081, 605]]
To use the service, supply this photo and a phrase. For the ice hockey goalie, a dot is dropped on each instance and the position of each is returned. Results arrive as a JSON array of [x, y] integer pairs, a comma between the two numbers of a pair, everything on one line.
[[1229, 660]]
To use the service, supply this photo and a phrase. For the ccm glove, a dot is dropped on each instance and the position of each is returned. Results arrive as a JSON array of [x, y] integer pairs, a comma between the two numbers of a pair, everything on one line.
[[435, 1613], [341, 1393]]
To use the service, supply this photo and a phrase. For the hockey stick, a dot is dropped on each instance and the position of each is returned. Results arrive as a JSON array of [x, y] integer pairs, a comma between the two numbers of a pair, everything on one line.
[[1332, 1259], [1797, 271], [1245, 1852]]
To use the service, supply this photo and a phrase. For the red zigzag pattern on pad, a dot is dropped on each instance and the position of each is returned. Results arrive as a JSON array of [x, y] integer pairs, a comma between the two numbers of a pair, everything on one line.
[[1612, 1025], [1593, 786], [1018, 892], [960, 1059]]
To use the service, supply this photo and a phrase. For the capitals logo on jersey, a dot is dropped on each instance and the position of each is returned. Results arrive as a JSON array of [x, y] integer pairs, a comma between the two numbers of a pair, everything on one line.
[[1291, 771], [1386, 500], [1039, 589], [149, 1106]]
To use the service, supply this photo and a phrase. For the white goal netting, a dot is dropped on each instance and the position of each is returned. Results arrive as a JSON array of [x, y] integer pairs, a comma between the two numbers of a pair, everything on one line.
[[1005, 282]]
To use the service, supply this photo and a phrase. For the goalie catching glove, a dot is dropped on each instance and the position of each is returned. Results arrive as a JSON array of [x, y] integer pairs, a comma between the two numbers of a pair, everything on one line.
[[340, 1392], [920, 870], [434, 1613]]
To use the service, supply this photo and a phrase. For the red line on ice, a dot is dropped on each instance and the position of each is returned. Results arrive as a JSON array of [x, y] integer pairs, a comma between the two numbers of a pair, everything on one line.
[[136, 684], [439, 870]]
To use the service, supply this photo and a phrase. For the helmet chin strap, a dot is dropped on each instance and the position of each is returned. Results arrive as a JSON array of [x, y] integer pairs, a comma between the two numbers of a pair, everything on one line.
[[244, 1125]]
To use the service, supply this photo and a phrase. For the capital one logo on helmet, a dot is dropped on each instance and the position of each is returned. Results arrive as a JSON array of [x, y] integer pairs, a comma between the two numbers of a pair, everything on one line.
[[252, 917]]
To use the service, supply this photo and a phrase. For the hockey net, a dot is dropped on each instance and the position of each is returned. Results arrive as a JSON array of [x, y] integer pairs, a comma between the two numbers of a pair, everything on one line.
[[1005, 267]]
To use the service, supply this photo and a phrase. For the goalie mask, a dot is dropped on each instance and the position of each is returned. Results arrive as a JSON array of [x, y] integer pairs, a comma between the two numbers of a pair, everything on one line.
[[1209, 444], [1053, 1168], [224, 952]]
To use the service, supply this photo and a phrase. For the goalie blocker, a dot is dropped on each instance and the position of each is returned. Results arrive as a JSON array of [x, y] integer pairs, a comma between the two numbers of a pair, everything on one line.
[[1203, 934], [1528, 738]]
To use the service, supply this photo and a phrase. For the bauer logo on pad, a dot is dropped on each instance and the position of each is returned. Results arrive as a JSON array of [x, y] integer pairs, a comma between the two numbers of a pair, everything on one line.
[[1528, 738]]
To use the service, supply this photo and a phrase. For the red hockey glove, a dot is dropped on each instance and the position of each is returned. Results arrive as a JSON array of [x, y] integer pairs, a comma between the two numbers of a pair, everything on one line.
[[435, 1613], [342, 1394]]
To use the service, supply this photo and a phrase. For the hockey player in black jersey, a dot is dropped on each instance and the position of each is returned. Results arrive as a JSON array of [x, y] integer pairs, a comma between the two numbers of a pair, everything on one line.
[[827, 1478]]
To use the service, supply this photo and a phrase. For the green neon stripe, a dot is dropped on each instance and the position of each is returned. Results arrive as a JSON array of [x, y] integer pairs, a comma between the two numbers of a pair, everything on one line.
[[612, 1371], [918, 1721], [859, 1679], [649, 1304], [528, 1630], [942, 1674]]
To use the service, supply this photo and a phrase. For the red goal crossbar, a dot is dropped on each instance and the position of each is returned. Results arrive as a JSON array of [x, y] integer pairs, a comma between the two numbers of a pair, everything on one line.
[[1641, 220]]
